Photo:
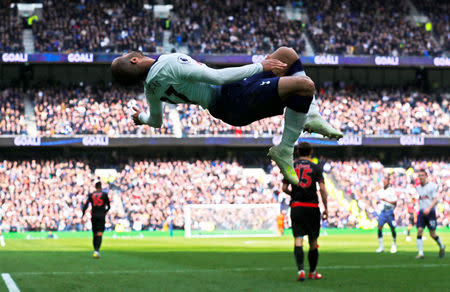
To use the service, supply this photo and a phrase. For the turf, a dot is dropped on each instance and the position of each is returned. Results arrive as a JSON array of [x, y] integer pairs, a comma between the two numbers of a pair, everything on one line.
[[348, 263]]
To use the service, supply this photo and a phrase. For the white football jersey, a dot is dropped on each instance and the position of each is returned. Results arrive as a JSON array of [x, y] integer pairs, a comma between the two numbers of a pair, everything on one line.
[[177, 78], [387, 194], [427, 194]]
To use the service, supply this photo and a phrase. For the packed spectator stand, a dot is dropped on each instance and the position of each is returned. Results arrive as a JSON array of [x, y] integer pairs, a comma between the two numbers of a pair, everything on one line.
[[47, 194], [80, 110], [235, 27]]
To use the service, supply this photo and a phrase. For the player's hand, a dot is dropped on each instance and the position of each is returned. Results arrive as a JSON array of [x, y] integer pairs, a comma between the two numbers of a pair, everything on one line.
[[426, 212], [273, 65], [325, 215], [135, 116]]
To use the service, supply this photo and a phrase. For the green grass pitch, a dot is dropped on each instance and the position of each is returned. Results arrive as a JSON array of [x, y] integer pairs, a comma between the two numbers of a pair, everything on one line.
[[348, 262]]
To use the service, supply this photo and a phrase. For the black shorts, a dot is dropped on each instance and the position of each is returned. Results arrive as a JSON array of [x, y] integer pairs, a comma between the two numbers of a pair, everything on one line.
[[411, 218], [98, 224], [305, 221], [249, 100], [427, 220]]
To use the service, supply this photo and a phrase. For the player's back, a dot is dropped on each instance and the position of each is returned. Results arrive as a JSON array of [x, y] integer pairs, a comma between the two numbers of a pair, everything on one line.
[[100, 203], [309, 175], [168, 81]]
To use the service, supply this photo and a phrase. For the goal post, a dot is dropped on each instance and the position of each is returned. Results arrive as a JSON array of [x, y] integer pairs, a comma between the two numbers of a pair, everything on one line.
[[231, 220]]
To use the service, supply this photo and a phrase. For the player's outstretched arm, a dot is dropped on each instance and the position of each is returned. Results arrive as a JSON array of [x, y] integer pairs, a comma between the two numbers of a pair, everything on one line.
[[153, 119], [198, 72]]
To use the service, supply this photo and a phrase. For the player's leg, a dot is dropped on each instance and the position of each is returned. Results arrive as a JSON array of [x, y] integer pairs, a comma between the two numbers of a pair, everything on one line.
[[381, 223], [420, 226], [313, 259], [391, 223], [2, 239], [299, 257], [298, 230], [380, 237], [314, 121], [408, 232], [432, 229], [98, 244], [97, 231], [296, 92]]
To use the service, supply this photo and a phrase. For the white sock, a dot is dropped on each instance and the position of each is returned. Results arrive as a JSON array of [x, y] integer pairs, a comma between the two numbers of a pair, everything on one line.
[[420, 246], [439, 242], [2, 240], [313, 108], [380, 241], [293, 127]]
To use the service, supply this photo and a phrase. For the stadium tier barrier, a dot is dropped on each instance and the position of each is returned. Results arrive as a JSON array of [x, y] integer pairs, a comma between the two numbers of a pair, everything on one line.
[[327, 60], [133, 140]]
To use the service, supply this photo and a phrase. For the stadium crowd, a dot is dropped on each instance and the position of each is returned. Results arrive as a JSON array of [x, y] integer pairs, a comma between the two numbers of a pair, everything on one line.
[[91, 110], [97, 26], [234, 27], [359, 112], [10, 30], [360, 180], [377, 27], [12, 120], [107, 111], [47, 194], [437, 11]]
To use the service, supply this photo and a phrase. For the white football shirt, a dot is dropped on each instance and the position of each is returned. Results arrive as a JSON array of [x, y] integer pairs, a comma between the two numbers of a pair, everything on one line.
[[177, 78], [427, 194], [387, 194]]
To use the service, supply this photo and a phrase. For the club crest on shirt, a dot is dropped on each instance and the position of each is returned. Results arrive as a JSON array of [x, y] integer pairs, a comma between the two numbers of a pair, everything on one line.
[[183, 60]]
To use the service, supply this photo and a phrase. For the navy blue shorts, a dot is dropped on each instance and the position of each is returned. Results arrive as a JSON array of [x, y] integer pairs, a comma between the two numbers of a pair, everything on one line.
[[244, 102], [386, 216], [427, 220]]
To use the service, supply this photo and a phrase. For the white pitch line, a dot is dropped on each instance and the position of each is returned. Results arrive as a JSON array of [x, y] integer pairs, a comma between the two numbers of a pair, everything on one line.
[[244, 269], [12, 287]]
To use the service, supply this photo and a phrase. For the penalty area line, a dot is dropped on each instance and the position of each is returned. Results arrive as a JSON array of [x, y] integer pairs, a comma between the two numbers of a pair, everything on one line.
[[10, 284], [243, 269]]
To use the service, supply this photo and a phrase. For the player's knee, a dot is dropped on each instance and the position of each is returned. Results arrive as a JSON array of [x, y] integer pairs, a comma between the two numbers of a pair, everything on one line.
[[310, 87], [305, 85], [288, 52]]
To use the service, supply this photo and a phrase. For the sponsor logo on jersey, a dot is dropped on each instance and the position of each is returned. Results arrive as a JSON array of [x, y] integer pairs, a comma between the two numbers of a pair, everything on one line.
[[183, 59], [265, 83]]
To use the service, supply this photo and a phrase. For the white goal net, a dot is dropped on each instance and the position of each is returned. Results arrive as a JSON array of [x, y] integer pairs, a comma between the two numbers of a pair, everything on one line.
[[231, 220]]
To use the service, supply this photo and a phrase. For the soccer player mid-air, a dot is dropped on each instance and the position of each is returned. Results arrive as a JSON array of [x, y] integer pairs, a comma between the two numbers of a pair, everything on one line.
[[388, 201], [428, 199], [238, 96], [305, 212], [100, 207]]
